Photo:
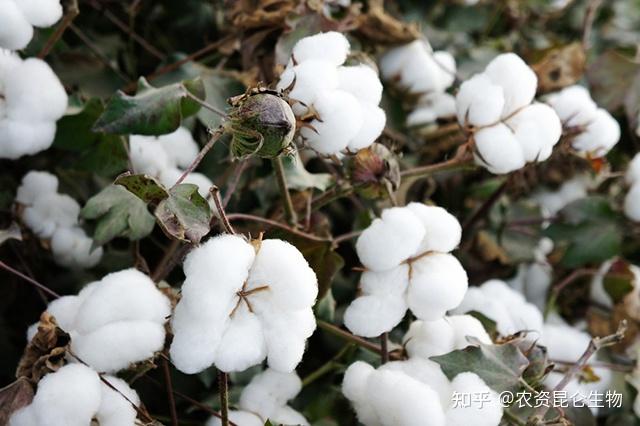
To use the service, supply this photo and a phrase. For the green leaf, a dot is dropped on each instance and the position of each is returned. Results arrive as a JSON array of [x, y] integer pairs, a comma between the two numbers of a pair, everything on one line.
[[152, 111], [300, 179], [500, 366], [145, 187], [619, 280], [119, 213], [184, 214]]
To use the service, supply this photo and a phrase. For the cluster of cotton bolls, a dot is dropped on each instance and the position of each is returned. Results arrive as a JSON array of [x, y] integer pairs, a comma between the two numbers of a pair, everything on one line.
[[416, 391], [418, 70], [243, 302], [75, 396], [32, 99], [113, 322], [408, 266], [165, 158], [54, 216], [632, 199], [598, 131], [342, 99], [496, 107], [18, 17], [265, 398]]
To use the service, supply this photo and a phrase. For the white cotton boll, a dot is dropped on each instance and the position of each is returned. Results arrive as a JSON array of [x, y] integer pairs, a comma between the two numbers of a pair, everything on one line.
[[115, 346], [372, 315], [573, 105], [633, 171], [70, 396], [373, 122], [403, 401], [121, 296], [517, 79], [50, 212], [601, 134], [64, 310], [442, 229], [385, 283], [447, 64], [41, 13], [431, 107], [342, 118], [632, 203], [179, 146], [114, 409], [498, 149], [393, 61], [362, 82], [537, 128], [429, 338], [438, 283], [479, 101], [148, 156], [34, 185], [390, 239], [243, 344], [563, 342], [240, 418], [480, 411], [25, 138], [71, 247], [423, 75], [476, 300], [465, 326], [524, 315], [425, 371], [269, 391], [292, 283], [285, 335], [331, 47], [288, 416], [15, 30], [355, 388], [310, 79]]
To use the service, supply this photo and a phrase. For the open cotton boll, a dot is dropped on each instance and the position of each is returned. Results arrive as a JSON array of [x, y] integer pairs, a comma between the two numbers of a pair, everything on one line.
[[373, 122], [310, 79], [517, 79], [537, 128], [551, 202], [15, 30], [423, 75], [498, 149], [179, 146], [362, 82], [71, 247], [34, 99], [438, 283], [50, 212], [479, 411], [447, 63], [429, 338], [425, 371], [465, 326], [602, 133], [479, 101], [633, 170], [114, 409], [632, 203], [41, 13], [393, 61], [563, 342], [340, 118], [34, 185], [242, 303], [70, 396], [442, 229], [331, 47], [148, 156], [573, 105], [431, 107], [390, 239]]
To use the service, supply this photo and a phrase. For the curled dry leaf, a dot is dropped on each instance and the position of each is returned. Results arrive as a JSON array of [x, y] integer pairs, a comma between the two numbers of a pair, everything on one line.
[[378, 26], [45, 352], [13, 397], [560, 67]]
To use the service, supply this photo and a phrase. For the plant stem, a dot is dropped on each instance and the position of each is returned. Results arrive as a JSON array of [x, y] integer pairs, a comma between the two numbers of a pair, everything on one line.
[[331, 195], [290, 212], [243, 216], [343, 334], [29, 280], [485, 207], [71, 13], [215, 136], [169, 387], [223, 389], [384, 347], [215, 193], [458, 162], [205, 104], [326, 367]]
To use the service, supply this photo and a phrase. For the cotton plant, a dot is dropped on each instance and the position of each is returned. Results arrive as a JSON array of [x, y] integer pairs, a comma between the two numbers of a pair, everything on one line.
[[632, 199], [166, 157], [423, 73], [337, 102], [76, 396], [114, 322], [408, 266], [404, 393], [505, 306], [243, 301], [54, 216], [18, 17], [425, 339], [497, 109], [32, 99], [597, 131], [265, 398]]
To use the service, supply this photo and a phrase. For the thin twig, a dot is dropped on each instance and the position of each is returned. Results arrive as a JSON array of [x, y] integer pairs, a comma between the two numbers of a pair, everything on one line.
[[215, 136], [346, 237], [462, 159], [223, 389], [235, 180], [485, 207], [71, 13], [206, 105], [289, 211], [169, 386], [327, 367], [589, 19], [384, 347], [29, 280], [215, 193], [343, 334], [243, 216]]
